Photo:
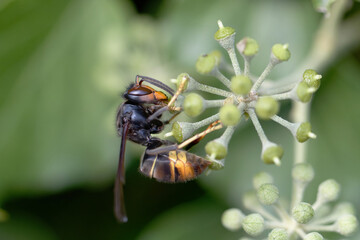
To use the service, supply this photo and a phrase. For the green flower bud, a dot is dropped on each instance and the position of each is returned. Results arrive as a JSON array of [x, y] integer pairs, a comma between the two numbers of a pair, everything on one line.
[[193, 105], [303, 172], [250, 200], [262, 178], [180, 78], [225, 36], [281, 52], [303, 133], [223, 32], [328, 190], [216, 149], [266, 107], [272, 154], [241, 84], [313, 236], [278, 234], [205, 64], [312, 79], [304, 92], [303, 212], [217, 55], [229, 115], [346, 225], [232, 219], [182, 130], [253, 224], [344, 208], [268, 194], [248, 46]]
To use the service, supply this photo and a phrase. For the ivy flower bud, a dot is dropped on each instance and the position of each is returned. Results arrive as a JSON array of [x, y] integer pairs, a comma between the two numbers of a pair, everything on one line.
[[193, 105], [303, 172], [217, 55], [206, 64], [328, 191], [216, 149], [266, 107], [303, 212], [262, 178], [304, 92], [225, 36], [344, 208], [346, 225], [281, 52], [278, 234], [253, 224], [268, 194], [232, 219], [248, 47], [229, 115], [303, 133], [250, 200], [182, 130], [312, 79], [271, 154], [241, 84], [313, 236]]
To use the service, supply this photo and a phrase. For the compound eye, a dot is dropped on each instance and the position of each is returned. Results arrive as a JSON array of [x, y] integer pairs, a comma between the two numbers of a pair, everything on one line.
[[140, 91]]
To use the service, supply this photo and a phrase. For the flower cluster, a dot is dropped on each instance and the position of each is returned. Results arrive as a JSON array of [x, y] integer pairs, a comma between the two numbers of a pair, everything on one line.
[[245, 97], [301, 219]]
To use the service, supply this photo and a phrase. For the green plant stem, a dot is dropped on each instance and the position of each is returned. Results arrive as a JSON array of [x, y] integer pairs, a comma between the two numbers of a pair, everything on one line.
[[224, 80], [213, 90], [214, 103], [264, 140], [263, 76], [234, 60]]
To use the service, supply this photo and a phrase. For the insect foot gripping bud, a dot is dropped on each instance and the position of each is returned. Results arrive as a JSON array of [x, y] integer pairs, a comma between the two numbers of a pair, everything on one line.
[[216, 149], [229, 115], [181, 77], [232, 219], [281, 52], [303, 212], [193, 105], [253, 224], [262, 178], [205, 64], [313, 236], [346, 225], [312, 79], [248, 47], [266, 107], [278, 234], [241, 84], [303, 133], [268, 194]]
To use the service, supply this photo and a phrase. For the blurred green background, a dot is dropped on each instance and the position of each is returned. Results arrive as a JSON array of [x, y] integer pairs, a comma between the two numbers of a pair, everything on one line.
[[63, 67]]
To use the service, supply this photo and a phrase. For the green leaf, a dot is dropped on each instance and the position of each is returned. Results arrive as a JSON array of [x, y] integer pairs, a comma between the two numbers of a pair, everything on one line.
[[64, 65]]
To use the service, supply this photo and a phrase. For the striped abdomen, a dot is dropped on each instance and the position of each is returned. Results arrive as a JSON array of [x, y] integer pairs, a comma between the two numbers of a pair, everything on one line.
[[174, 166]]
